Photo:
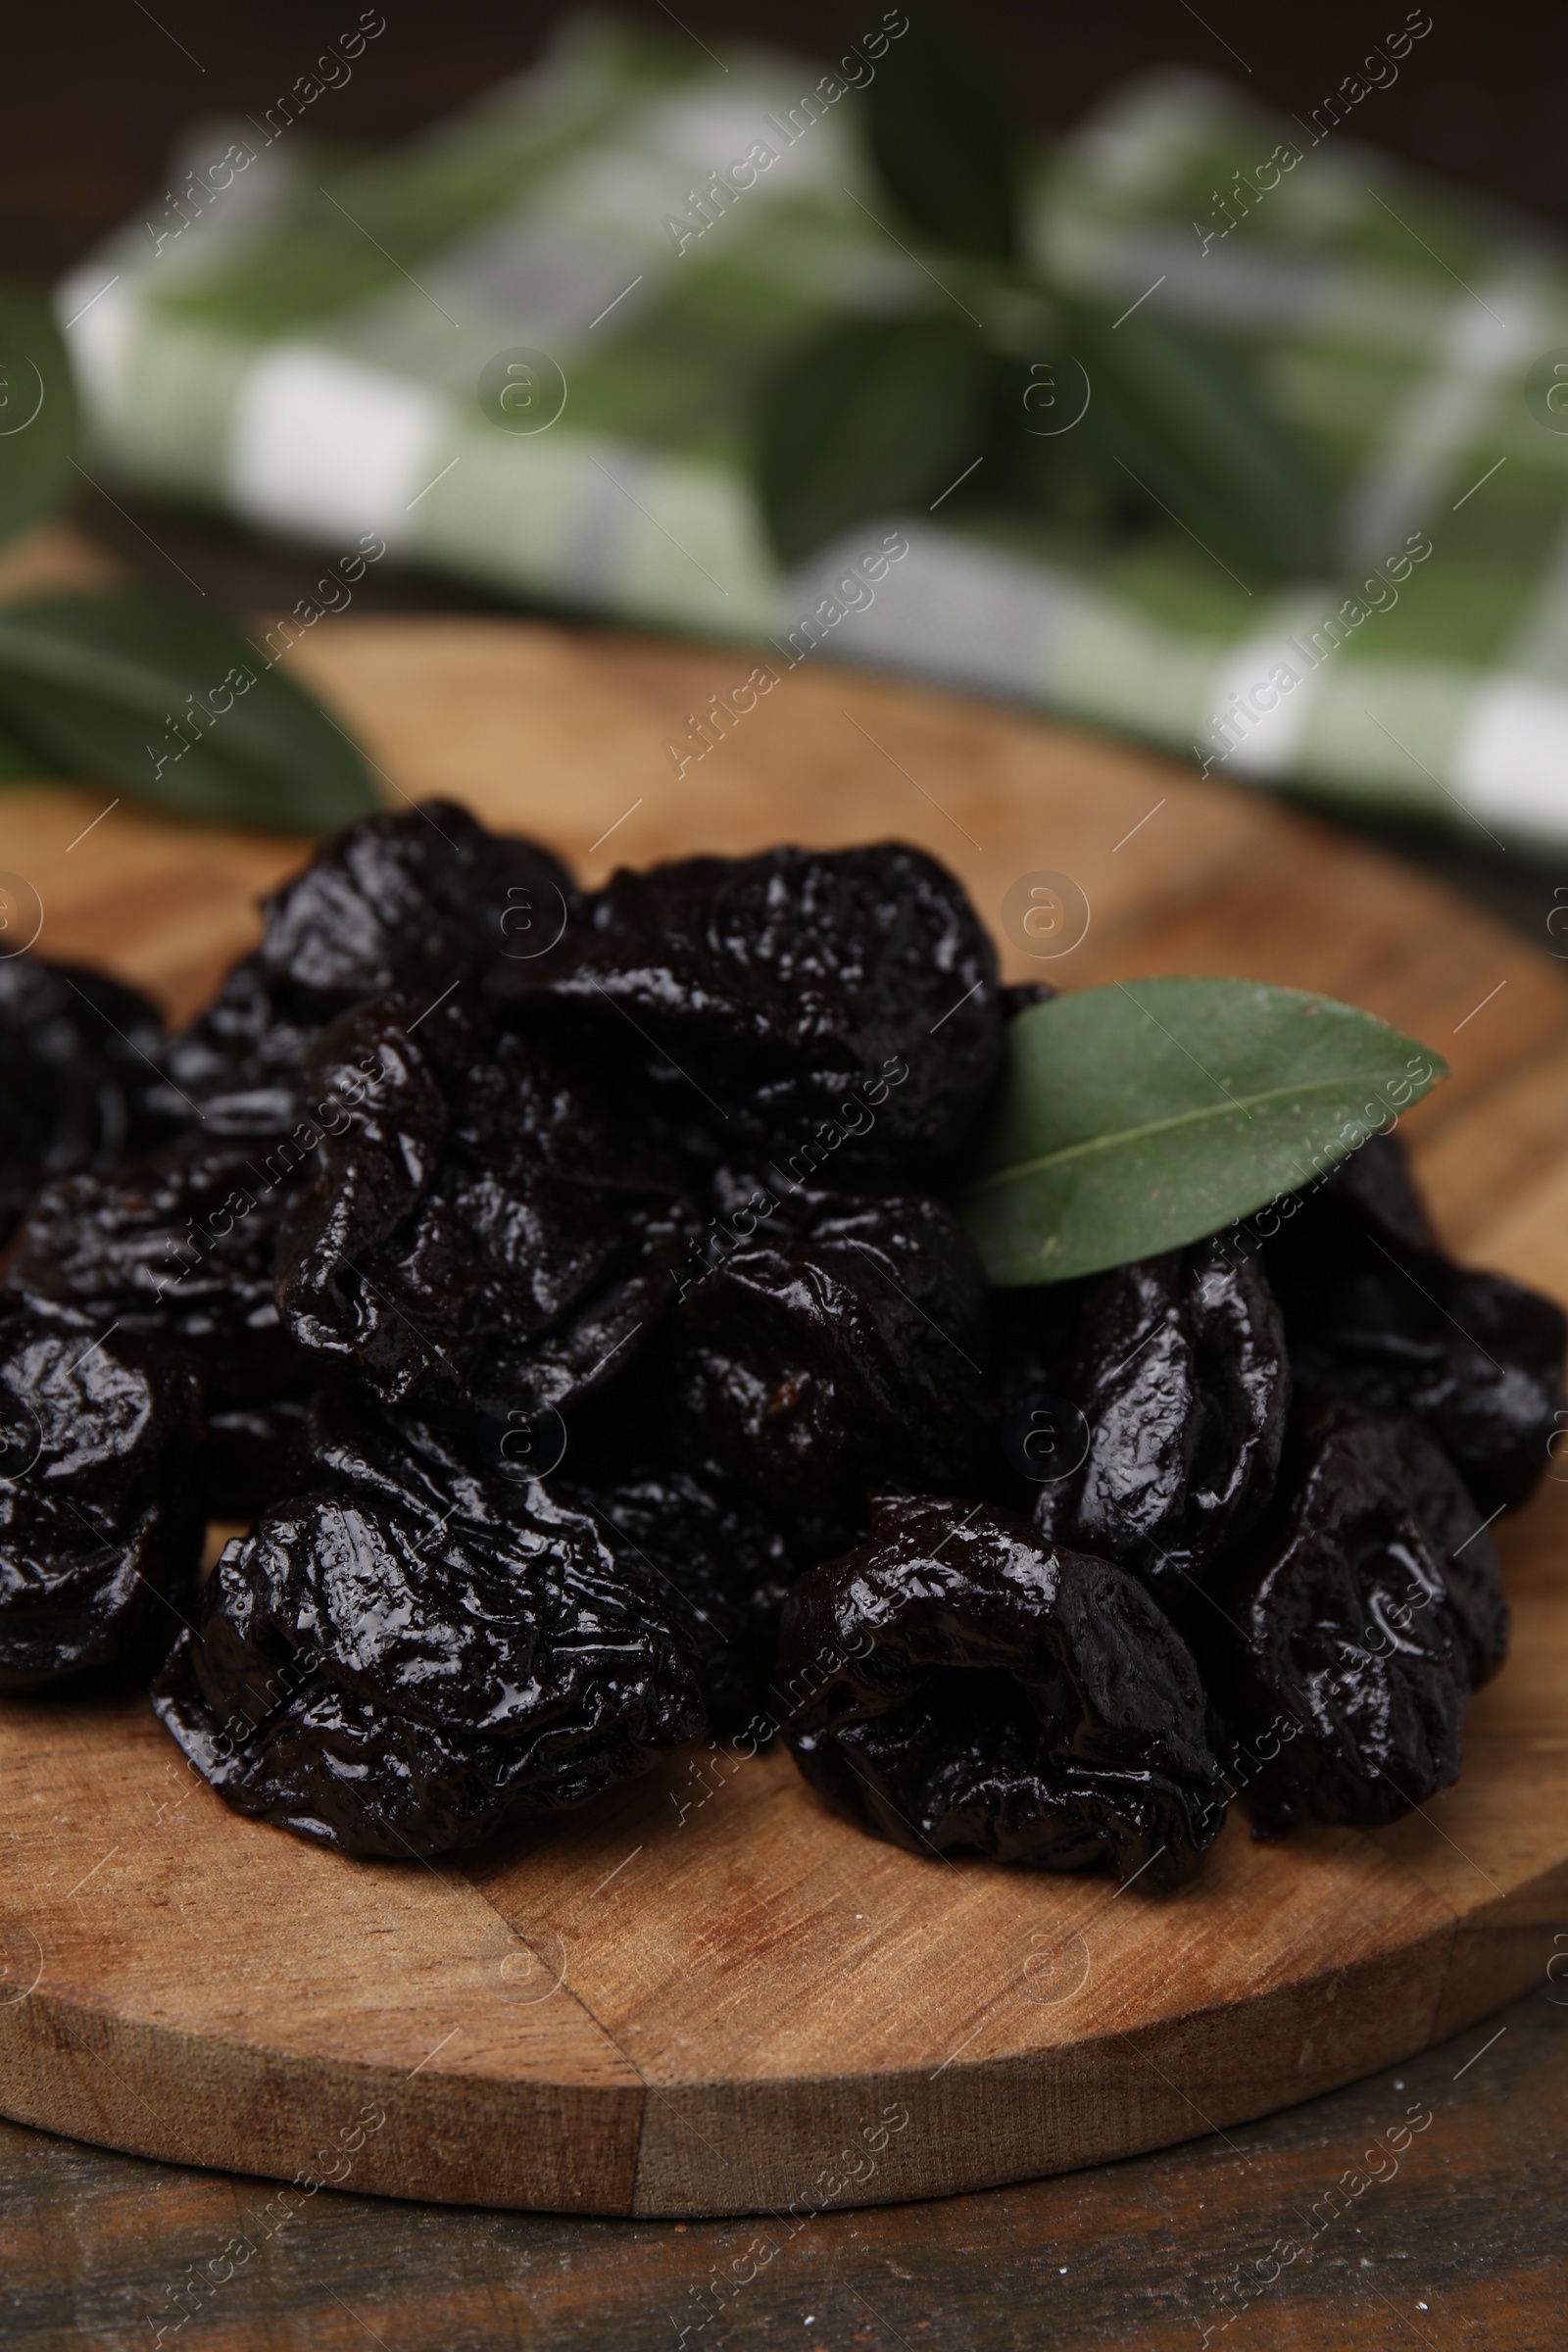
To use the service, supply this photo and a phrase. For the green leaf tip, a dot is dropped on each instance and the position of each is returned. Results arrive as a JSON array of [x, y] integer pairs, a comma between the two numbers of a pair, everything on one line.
[[1144, 1115]]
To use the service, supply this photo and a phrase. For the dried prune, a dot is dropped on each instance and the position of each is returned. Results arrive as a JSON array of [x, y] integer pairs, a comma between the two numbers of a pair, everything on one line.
[[414, 1650], [838, 1346], [178, 1247], [838, 1008], [723, 1568], [561, 1283], [484, 1214], [238, 1069], [1351, 1636], [959, 1684], [1464, 1542], [102, 1508], [413, 901], [1180, 1372], [78, 1064], [1375, 1310]]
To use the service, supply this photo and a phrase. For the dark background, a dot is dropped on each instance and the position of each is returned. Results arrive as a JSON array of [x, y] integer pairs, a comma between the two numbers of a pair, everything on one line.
[[98, 89]]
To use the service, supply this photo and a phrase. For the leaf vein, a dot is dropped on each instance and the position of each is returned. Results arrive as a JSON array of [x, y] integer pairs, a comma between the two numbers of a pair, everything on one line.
[[1184, 1118]]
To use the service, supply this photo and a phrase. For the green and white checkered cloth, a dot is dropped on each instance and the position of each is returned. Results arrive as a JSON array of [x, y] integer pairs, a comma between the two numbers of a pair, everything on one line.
[[307, 353]]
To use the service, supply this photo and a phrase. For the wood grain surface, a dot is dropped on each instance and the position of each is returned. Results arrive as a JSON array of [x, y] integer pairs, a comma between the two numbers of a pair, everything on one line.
[[695, 1997]]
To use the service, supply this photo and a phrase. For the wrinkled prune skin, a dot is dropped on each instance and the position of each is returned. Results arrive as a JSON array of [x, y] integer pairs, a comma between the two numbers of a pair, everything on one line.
[[177, 1246], [78, 1064], [484, 1214], [409, 902], [1376, 1311], [238, 1069], [102, 1502], [722, 1569], [1180, 1371], [1463, 1542], [412, 901], [415, 1652], [836, 1009], [1350, 1639], [959, 1685], [838, 1346]]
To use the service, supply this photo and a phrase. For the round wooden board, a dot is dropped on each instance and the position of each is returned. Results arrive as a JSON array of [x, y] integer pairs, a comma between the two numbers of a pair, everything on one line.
[[705, 1995]]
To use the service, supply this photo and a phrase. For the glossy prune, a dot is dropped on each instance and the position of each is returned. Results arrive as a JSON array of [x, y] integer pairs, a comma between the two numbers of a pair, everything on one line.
[[414, 900], [1377, 1312], [836, 1009], [1180, 1372], [482, 1214], [960, 1684], [177, 1247], [722, 1570], [411, 900], [238, 1069], [78, 1064], [837, 1345], [102, 1508], [1464, 1543], [1352, 1637], [415, 1651]]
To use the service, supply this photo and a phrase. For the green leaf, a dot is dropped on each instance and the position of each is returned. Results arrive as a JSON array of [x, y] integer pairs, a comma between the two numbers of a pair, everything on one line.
[[1177, 414], [946, 138], [870, 417], [178, 707], [37, 412], [1050, 455], [20, 763], [1140, 1117]]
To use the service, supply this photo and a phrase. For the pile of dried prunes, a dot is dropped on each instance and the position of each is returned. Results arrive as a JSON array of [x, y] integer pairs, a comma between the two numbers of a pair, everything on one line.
[[562, 1289]]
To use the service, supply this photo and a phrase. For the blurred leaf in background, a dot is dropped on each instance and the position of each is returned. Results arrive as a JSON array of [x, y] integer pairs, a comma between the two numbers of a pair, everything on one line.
[[180, 706], [869, 418], [947, 139], [137, 688], [37, 412], [1174, 429], [882, 415]]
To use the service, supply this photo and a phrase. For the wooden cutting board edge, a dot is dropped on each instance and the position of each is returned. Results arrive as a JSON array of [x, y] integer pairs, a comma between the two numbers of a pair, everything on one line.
[[611, 2121]]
